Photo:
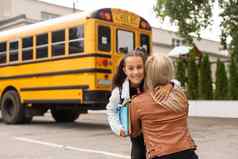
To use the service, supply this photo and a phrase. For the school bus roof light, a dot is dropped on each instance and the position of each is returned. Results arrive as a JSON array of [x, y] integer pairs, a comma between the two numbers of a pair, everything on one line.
[[105, 15], [144, 24]]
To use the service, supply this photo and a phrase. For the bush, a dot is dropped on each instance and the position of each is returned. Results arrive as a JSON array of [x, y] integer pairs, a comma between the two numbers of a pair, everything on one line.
[[221, 91], [181, 71], [233, 79], [192, 78], [205, 79]]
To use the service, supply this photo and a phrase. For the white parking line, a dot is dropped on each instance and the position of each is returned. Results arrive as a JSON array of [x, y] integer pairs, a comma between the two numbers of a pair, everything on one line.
[[71, 147]]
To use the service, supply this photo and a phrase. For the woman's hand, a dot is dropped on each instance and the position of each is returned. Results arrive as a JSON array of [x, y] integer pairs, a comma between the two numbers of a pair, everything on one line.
[[122, 133]]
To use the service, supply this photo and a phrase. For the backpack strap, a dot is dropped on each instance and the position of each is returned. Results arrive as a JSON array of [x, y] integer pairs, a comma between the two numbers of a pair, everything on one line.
[[120, 90]]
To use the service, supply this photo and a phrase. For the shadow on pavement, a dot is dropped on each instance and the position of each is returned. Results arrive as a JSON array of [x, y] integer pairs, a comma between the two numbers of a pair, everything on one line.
[[82, 125]]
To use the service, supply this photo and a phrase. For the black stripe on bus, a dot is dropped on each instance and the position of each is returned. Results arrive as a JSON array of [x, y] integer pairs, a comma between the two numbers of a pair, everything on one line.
[[54, 88], [82, 55], [54, 101], [88, 70]]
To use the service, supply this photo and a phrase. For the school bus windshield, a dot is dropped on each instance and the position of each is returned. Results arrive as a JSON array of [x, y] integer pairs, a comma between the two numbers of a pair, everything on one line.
[[125, 41]]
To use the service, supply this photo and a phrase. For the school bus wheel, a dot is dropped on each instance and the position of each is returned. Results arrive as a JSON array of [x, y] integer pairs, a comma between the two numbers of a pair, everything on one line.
[[65, 115], [27, 120], [12, 110]]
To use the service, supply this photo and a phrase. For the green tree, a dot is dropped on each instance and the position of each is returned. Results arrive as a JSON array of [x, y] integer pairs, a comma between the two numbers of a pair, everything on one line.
[[192, 16], [181, 71], [229, 24], [205, 79], [221, 91], [192, 78], [233, 79]]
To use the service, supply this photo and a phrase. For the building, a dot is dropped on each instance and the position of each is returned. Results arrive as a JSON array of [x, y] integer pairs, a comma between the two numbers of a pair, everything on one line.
[[15, 13], [164, 41]]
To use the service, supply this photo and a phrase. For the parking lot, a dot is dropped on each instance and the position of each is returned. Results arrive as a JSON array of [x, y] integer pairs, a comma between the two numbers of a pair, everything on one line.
[[90, 137]]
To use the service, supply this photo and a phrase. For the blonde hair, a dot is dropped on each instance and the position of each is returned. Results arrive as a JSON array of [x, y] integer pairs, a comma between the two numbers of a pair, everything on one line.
[[159, 71]]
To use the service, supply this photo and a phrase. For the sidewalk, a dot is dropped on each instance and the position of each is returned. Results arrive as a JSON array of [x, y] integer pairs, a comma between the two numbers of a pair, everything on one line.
[[216, 138], [213, 108]]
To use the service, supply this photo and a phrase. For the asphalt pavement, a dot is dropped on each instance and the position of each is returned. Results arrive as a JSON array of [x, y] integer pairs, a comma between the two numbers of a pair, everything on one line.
[[91, 138]]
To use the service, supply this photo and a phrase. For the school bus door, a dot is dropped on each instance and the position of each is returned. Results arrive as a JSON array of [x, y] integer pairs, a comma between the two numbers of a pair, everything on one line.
[[124, 42]]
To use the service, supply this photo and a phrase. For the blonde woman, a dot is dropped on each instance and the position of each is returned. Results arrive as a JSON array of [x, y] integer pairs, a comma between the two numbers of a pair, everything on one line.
[[161, 113]]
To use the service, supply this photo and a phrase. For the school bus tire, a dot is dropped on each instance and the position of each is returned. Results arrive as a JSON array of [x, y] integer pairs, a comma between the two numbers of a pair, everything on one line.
[[65, 115], [12, 109], [27, 120]]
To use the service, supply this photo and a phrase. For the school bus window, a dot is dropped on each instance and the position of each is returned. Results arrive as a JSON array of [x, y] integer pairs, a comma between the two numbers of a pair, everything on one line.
[[58, 45], [76, 40], [3, 49], [42, 46], [145, 42], [125, 41], [27, 48], [104, 38], [13, 51]]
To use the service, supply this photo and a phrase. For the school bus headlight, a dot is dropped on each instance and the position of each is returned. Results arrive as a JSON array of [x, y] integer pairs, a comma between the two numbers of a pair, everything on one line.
[[103, 62]]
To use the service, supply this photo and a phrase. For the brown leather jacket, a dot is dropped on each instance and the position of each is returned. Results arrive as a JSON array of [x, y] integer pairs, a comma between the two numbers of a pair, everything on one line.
[[161, 115]]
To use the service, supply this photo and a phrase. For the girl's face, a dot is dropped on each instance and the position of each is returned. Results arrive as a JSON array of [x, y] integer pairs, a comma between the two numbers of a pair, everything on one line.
[[134, 69]]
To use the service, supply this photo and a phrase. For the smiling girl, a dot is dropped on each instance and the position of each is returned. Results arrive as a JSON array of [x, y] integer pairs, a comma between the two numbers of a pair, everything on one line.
[[127, 82]]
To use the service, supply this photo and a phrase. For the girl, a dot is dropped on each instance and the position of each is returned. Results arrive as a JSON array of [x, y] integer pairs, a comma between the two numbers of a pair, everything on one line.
[[161, 113], [127, 82]]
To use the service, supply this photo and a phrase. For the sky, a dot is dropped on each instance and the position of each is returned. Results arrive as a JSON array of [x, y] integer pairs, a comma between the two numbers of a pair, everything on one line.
[[143, 8]]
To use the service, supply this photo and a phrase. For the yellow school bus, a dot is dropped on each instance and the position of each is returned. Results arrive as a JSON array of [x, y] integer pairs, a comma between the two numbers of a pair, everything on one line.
[[65, 65]]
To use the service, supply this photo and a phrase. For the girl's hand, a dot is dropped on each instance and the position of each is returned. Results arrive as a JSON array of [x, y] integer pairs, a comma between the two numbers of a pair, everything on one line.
[[122, 133]]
